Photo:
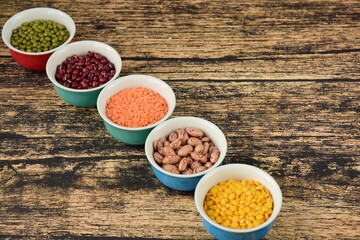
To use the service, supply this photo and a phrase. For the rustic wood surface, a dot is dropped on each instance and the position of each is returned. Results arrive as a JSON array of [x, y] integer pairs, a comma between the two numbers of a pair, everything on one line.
[[280, 78]]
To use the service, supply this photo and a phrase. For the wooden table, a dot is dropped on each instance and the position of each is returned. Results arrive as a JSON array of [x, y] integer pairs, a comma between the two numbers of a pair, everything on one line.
[[280, 78]]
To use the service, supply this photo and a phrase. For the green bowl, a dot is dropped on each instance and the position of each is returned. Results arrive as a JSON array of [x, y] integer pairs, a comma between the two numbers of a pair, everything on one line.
[[128, 135], [81, 97]]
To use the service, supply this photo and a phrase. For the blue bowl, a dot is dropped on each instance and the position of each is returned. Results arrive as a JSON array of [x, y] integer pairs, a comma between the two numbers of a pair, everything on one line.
[[128, 135], [174, 182], [239, 172], [81, 97], [182, 182]]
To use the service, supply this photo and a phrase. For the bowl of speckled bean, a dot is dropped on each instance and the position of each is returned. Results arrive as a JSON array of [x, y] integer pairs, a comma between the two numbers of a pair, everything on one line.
[[183, 149], [34, 34], [238, 201], [131, 106]]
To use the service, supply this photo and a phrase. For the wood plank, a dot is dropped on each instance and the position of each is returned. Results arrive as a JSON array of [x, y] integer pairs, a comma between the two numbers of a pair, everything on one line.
[[280, 78]]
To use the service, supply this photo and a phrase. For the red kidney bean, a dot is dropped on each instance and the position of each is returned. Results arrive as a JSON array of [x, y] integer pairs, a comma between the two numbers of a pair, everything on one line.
[[84, 72]]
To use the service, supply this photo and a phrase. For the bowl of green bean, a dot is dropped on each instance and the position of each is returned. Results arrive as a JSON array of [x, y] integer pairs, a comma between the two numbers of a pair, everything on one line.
[[34, 34]]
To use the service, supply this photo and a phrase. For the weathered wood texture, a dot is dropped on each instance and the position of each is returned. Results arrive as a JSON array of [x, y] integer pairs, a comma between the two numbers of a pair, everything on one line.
[[280, 78]]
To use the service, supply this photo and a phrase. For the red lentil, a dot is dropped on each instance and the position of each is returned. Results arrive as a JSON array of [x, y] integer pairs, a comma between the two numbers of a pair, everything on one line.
[[136, 107]]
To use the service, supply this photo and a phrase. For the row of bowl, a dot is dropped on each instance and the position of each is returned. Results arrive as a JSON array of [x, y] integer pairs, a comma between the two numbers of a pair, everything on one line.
[[98, 96]]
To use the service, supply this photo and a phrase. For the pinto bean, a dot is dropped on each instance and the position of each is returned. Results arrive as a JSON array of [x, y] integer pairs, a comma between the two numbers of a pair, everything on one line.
[[173, 136], [168, 151], [171, 168], [200, 169], [188, 171], [185, 150], [206, 147], [184, 162], [205, 139], [171, 159], [158, 157], [193, 141], [158, 144], [199, 148], [208, 164], [194, 132], [175, 144], [214, 156], [198, 157], [194, 164], [181, 133]]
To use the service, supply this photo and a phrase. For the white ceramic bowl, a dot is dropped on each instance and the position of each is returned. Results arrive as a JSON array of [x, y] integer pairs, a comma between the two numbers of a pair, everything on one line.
[[35, 61], [128, 135], [81, 97], [239, 172], [183, 182]]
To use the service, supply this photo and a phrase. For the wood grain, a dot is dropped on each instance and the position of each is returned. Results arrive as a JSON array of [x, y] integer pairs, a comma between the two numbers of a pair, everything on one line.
[[280, 78]]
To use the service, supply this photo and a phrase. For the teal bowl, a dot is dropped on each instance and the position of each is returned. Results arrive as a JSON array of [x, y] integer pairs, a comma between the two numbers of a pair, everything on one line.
[[81, 97], [128, 135]]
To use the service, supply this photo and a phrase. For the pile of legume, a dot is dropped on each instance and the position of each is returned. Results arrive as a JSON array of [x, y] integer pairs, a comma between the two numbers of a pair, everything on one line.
[[136, 107], [39, 36], [185, 151], [84, 72], [239, 204]]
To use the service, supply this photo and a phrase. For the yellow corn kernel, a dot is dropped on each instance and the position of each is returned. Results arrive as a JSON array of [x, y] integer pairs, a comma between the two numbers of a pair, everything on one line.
[[243, 197], [238, 191], [226, 223], [257, 223], [209, 202], [235, 219], [209, 212], [233, 208], [229, 212], [242, 212], [223, 213], [234, 225], [218, 219], [251, 213], [250, 225], [214, 190], [268, 205]]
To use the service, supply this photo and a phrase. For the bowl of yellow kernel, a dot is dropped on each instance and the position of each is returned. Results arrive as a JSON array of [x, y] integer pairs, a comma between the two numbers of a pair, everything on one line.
[[238, 201]]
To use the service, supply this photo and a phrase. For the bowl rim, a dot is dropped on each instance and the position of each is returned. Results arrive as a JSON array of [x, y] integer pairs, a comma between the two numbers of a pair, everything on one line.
[[64, 48], [148, 145], [203, 214], [123, 78], [11, 47]]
